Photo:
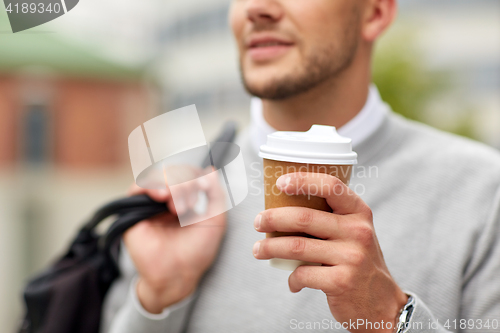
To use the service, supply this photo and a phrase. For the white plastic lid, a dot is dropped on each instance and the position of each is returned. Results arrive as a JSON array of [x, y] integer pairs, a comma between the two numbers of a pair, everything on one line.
[[320, 145]]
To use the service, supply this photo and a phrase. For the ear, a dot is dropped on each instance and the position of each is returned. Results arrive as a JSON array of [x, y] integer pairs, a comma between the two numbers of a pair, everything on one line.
[[378, 16]]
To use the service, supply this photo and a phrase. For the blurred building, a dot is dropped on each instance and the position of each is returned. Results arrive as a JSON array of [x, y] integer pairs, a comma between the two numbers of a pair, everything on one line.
[[198, 60], [59, 120], [63, 151], [188, 44], [460, 37], [65, 116]]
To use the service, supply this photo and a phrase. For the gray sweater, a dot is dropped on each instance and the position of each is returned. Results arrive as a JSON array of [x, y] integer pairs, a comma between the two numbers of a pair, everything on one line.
[[435, 198]]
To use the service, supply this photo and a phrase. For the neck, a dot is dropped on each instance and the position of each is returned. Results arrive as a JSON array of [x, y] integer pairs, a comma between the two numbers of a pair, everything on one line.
[[333, 102]]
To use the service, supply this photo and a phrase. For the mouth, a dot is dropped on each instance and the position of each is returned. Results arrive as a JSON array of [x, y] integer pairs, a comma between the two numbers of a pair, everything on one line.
[[267, 48]]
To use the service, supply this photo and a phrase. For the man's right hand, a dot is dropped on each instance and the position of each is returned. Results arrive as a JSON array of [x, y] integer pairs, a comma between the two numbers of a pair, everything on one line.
[[171, 259]]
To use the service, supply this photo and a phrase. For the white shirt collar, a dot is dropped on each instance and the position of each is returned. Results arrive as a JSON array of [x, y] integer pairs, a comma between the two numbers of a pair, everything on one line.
[[365, 123]]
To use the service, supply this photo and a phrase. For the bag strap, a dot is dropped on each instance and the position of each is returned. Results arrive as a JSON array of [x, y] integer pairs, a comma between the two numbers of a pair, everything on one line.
[[127, 221], [122, 206]]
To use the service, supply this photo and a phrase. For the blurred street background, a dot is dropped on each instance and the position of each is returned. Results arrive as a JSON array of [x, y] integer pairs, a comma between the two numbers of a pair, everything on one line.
[[73, 89]]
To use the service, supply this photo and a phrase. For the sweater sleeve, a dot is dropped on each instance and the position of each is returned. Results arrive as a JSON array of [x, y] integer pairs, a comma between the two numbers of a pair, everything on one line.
[[481, 286], [133, 318], [422, 319], [480, 303]]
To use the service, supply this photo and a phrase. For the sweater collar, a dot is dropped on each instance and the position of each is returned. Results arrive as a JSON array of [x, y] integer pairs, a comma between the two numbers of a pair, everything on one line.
[[359, 128]]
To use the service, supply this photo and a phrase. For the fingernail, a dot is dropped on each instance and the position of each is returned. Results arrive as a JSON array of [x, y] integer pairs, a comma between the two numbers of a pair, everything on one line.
[[256, 247], [283, 181], [256, 223]]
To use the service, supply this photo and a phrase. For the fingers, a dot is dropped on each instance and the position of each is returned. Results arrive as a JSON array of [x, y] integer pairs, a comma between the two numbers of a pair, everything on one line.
[[186, 194], [209, 182], [143, 231], [216, 195], [210, 212], [338, 196], [159, 195], [183, 196], [299, 219], [298, 248], [331, 280]]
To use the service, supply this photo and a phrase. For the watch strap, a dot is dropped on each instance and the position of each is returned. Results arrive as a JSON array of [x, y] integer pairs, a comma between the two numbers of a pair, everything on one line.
[[404, 315]]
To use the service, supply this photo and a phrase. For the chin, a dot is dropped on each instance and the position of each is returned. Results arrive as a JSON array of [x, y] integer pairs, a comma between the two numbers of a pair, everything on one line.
[[258, 86], [262, 78]]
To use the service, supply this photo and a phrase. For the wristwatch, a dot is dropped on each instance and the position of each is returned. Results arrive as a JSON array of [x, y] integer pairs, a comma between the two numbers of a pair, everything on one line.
[[405, 315]]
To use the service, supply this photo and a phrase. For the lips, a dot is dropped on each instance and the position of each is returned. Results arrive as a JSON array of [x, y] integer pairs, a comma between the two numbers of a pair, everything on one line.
[[258, 42], [267, 47]]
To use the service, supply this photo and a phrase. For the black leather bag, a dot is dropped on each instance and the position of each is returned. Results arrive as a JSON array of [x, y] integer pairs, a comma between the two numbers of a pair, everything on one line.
[[68, 296]]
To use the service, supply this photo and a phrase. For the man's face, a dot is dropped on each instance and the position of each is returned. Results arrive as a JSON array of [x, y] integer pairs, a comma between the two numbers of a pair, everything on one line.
[[290, 46]]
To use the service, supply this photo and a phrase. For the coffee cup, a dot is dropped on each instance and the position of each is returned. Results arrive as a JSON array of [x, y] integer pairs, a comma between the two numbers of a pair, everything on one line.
[[319, 150]]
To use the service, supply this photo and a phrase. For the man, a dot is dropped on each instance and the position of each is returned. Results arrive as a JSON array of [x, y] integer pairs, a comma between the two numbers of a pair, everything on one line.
[[422, 235]]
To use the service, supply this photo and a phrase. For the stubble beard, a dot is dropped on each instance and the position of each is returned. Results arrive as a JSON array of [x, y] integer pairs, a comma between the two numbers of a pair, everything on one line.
[[323, 64]]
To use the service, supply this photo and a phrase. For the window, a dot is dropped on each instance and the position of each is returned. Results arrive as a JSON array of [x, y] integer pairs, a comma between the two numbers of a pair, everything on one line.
[[206, 22], [35, 134]]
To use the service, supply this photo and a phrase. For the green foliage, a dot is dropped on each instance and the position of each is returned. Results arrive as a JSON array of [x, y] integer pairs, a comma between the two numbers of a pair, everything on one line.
[[408, 85], [404, 81]]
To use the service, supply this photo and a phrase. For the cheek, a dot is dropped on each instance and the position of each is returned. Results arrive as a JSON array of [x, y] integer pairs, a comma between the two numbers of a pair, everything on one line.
[[320, 22], [237, 20], [312, 20]]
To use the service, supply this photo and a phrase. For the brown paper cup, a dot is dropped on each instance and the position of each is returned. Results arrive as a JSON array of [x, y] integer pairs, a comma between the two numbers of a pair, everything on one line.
[[274, 198]]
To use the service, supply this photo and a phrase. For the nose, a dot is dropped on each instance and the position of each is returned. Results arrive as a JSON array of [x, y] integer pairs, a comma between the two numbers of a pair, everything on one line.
[[264, 12]]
